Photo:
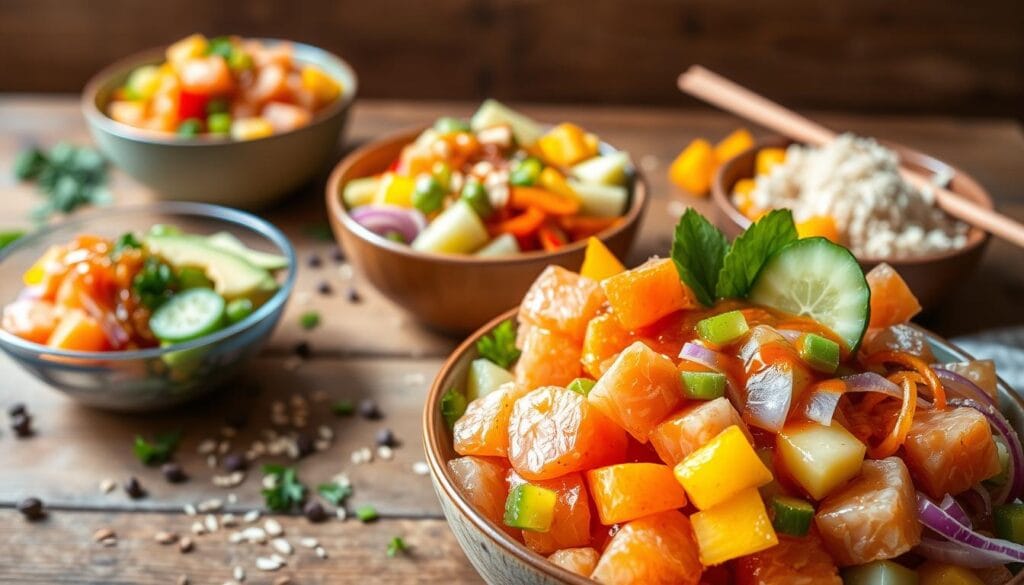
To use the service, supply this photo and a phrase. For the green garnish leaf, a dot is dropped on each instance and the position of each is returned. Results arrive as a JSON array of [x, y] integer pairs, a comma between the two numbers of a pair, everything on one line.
[[500, 345], [29, 164], [751, 250], [343, 408], [367, 513], [69, 176], [334, 493], [396, 546], [220, 46], [698, 251], [8, 237], [309, 320], [126, 241], [155, 283], [453, 406], [287, 493], [157, 451]]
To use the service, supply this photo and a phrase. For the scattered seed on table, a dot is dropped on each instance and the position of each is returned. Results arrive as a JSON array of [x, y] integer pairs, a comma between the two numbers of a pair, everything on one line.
[[314, 512], [211, 505], [303, 350], [236, 537], [173, 472], [229, 520], [206, 447], [341, 513], [210, 523], [183, 580], [273, 527], [267, 564], [386, 438], [108, 485], [21, 424], [353, 295], [189, 510], [31, 509], [338, 255], [255, 534], [234, 462], [320, 552], [102, 534], [16, 409], [251, 516], [314, 261], [386, 453], [198, 528], [238, 573], [282, 546], [369, 410], [309, 542], [420, 468], [134, 489], [324, 288], [164, 537], [185, 545]]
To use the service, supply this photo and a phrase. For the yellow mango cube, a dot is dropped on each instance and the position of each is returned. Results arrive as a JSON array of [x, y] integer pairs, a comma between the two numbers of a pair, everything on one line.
[[694, 167], [395, 190], [936, 573], [768, 158], [251, 128], [818, 226], [190, 47], [567, 144], [744, 186], [724, 467], [598, 261], [321, 85], [554, 181], [733, 529], [733, 144], [819, 458]]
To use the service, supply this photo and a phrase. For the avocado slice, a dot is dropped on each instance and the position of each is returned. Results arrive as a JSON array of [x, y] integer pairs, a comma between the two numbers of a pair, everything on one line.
[[229, 243], [233, 277]]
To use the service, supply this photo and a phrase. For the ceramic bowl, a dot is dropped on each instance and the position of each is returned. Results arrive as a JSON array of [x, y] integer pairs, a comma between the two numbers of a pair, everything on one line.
[[451, 293], [248, 174], [931, 276], [498, 558]]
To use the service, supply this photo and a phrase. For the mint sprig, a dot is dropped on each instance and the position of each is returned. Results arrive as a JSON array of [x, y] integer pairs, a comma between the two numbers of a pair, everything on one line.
[[698, 250]]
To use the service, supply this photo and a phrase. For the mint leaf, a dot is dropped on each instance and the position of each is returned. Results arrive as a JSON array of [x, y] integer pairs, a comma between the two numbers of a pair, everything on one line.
[[698, 250], [287, 491], [157, 451], [500, 345], [334, 493], [751, 250]]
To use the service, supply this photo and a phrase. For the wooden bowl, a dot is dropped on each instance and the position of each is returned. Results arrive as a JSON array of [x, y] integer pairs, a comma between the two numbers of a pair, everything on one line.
[[496, 556], [451, 293], [931, 276]]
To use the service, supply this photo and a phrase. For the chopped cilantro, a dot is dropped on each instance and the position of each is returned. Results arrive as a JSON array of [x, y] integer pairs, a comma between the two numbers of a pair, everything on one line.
[[334, 493], [155, 283], [367, 513], [287, 491], [396, 546], [309, 320], [157, 451], [500, 345]]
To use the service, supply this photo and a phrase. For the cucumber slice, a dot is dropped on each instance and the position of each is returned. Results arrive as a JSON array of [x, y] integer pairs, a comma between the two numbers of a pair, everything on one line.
[[188, 315], [494, 113], [792, 516], [703, 385], [821, 280], [600, 200], [458, 230], [485, 377], [530, 507], [818, 352], [723, 329]]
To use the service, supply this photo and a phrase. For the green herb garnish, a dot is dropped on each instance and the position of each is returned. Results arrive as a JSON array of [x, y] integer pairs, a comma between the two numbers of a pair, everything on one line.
[[70, 177], [367, 513], [343, 408], [155, 283], [698, 251], [751, 250], [9, 237], [453, 406], [220, 46], [396, 546], [287, 493], [334, 493], [126, 241], [500, 345], [309, 320], [157, 451]]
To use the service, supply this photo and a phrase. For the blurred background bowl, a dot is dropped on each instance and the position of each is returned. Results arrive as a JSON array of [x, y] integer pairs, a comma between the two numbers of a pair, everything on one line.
[[453, 294], [156, 378], [930, 276], [249, 174]]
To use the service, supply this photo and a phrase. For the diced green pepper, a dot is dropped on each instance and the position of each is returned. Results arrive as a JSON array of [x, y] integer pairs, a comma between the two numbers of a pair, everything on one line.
[[820, 353], [1008, 520], [723, 329], [703, 385], [530, 507], [428, 194], [191, 127], [240, 60], [192, 277], [453, 406], [442, 171], [526, 172], [792, 516], [449, 125], [238, 309], [219, 123], [475, 194], [879, 573], [581, 386]]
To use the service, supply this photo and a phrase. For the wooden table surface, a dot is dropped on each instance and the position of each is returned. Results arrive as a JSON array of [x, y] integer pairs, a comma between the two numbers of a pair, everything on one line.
[[368, 349]]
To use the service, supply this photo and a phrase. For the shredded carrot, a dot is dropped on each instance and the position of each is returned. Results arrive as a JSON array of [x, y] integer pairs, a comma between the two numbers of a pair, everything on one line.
[[914, 363], [522, 225], [546, 201], [585, 226], [898, 435]]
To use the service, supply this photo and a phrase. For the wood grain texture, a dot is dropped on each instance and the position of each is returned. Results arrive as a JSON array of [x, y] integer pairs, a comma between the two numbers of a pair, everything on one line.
[[910, 56]]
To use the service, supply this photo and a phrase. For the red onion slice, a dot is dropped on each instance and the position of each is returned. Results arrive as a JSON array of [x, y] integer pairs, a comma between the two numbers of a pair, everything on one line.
[[955, 553], [872, 382], [769, 395], [959, 386], [954, 509], [821, 404], [385, 219], [1004, 429], [977, 548]]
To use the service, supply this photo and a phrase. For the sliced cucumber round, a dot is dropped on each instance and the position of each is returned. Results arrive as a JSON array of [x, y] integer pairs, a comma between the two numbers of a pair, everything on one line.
[[188, 315], [821, 280]]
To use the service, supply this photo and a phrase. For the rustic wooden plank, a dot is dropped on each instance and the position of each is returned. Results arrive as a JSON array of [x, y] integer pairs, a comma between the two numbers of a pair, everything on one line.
[[61, 550]]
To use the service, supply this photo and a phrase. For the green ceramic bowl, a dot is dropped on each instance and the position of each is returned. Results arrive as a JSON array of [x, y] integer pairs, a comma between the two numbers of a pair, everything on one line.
[[246, 174]]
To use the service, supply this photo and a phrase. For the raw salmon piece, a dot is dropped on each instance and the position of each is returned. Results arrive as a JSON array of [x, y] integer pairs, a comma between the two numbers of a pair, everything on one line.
[[795, 561], [693, 427], [899, 337], [654, 550], [482, 481], [892, 302], [604, 339], [30, 320], [949, 451], [562, 301], [571, 525], [548, 359], [640, 390], [628, 491], [647, 293], [77, 331], [578, 560], [483, 429]]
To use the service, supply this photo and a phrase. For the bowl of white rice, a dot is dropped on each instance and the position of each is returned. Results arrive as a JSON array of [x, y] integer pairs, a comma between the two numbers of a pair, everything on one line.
[[855, 181]]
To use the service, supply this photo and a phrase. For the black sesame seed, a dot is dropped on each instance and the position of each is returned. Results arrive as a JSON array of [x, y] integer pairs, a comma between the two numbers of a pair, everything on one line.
[[16, 409], [134, 489], [324, 288], [31, 509], [314, 512], [353, 295], [304, 444], [386, 438], [21, 424], [173, 473], [369, 410], [338, 255], [235, 462], [303, 350], [315, 261]]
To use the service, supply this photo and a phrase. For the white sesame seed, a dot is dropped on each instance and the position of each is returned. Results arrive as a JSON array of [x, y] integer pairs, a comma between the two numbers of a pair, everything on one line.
[[320, 552], [341, 513], [325, 432], [267, 564], [190, 510], [251, 516], [279, 559], [239, 574], [108, 485], [229, 520], [420, 468], [309, 542], [232, 498], [198, 528], [236, 537], [211, 461], [386, 453], [273, 527], [255, 534], [211, 505], [282, 546]]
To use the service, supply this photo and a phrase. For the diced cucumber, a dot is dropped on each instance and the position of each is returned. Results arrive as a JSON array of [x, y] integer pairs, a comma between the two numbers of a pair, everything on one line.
[[485, 377], [818, 352], [703, 385], [600, 200], [530, 507], [608, 169], [494, 113], [229, 243], [724, 328], [188, 315], [359, 192], [821, 280], [581, 386], [1003, 476], [453, 406], [192, 277], [792, 516], [449, 125], [503, 245], [1008, 521], [457, 230], [879, 573]]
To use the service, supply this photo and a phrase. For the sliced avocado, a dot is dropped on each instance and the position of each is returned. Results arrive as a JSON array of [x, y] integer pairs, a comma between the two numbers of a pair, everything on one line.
[[229, 243], [233, 277], [494, 113], [600, 200], [608, 169]]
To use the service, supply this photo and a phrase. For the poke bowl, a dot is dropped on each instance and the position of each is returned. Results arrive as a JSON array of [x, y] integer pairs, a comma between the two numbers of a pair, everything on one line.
[[455, 290], [139, 308], [543, 478], [931, 274], [244, 141]]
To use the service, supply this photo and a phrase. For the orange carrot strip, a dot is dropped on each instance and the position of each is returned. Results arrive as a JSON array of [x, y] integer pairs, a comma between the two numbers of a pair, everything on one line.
[[892, 442], [522, 225], [914, 363], [551, 238], [546, 201]]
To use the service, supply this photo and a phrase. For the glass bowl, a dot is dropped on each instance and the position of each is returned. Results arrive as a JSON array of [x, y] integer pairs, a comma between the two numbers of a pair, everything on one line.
[[148, 379]]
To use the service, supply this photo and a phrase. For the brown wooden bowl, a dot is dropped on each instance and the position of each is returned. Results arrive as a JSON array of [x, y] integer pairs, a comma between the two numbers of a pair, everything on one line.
[[451, 293], [931, 276]]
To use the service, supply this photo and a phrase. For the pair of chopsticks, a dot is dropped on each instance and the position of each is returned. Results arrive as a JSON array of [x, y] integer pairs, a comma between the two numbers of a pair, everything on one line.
[[731, 97]]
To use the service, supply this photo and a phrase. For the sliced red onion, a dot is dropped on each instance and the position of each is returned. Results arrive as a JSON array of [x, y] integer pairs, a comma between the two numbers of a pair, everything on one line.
[[959, 386], [871, 382], [1004, 429], [769, 395], [978, 550], [791, 335], [980, 499], [954, 509], [758, 337], [821, 405], [955, 553], [385, 219]]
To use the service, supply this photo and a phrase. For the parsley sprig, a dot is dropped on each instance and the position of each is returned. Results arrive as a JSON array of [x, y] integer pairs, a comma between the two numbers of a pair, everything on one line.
[[500, 345], [69, 176], [159, 450], [287, 491], [335, 493]]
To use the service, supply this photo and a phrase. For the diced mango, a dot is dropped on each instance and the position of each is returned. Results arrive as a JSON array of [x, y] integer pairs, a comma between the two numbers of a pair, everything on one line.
[[949, 451], [554, 181], [483, 429], [737, 527], [628, 491], [739, 140], [128, 112], [251, 128], [819, 458], [323, 87], [567, 144], [190, 47], [693, 427], [578, 560], [694, 168], [598, 261], [721, 469], [767, 158], [395, 190], [822, 226], [562, 301], [936, 573], [548, 359], [654, 549], [604, 339], [77, 331], [643, 295], [638, 391]]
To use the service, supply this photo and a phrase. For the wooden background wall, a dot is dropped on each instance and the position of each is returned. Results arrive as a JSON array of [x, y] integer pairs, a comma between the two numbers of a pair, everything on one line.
[[906, 56]]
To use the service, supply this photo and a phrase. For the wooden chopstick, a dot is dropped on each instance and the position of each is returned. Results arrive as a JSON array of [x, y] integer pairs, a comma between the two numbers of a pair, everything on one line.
[[731, 97]]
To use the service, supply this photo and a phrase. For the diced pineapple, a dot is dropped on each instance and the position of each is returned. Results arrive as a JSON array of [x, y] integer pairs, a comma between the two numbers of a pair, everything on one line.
[[735, 528], [724, 467], [395, 190], [554, 181], [361, 191], [936, 573], [566, 145], [485, 377], [321, 85], [458, 230], [819, 458], [609, 169], [251, 128]]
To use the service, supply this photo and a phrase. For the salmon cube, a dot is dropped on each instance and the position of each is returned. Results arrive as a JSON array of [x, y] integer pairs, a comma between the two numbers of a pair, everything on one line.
[[548, 359], [285, 117], [656, 549], [30, 320], [795, 561], [604, 339], [578, 560], [482, 481], [949, 451], [571, 524], [639, 391], [643, 295], [77, 331], [562, 301], [892, 302], [874, 517], [483, 429], [554, 431], [693, 427], [899, 337], [628, 491]]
